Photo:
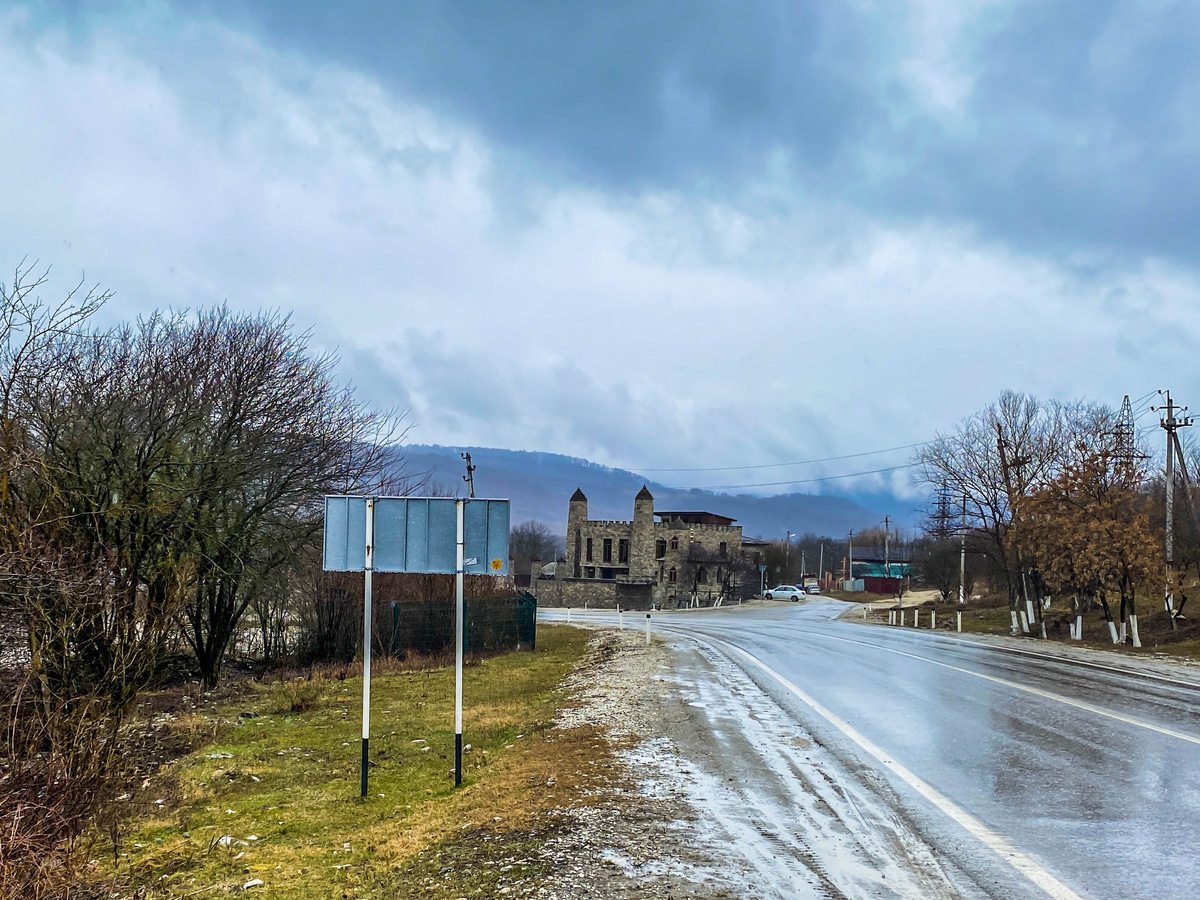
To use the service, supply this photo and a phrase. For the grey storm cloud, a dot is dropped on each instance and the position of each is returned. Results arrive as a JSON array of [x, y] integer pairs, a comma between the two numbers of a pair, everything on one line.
[[1066, 124], [654, 234]]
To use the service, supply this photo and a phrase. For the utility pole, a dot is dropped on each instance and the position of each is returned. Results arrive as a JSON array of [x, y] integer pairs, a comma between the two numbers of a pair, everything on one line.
[[1171, 425], [821, 563], [887, 535], [962, 557], [801, 566], [850, 570], [469, 478], [786, 547]]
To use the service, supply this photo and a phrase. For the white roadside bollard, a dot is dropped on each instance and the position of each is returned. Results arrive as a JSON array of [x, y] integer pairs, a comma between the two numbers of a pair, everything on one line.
[[647, 629], [620, 619], [902, 617], [864, 614], [932, 620], [960, 620], [568, 615]]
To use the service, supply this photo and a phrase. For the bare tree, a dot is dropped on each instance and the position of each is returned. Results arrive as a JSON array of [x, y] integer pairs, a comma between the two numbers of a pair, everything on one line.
[[533, 540], [1002, 453]]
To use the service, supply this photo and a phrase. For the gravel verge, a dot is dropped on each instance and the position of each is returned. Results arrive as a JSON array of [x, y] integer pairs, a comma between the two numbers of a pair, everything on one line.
[[636, 836]]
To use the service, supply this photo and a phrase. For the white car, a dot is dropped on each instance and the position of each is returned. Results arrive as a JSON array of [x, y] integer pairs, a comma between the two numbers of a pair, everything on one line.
[[784, 592], [813, 589]]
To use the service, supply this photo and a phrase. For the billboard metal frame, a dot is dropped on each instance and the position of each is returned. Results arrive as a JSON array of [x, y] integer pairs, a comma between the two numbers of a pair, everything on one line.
[[416, 534]]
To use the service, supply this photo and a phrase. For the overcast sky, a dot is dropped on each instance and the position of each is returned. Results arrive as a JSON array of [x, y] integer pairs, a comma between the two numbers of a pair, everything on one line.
[[651, 234]]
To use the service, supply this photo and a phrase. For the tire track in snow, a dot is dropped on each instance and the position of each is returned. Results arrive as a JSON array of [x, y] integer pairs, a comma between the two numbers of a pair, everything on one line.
[[799, 826]]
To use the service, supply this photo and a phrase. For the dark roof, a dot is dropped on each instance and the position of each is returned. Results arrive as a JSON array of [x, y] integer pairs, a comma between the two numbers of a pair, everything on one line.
[[644, 494], [695, 517], [755, 542], [578, 495]]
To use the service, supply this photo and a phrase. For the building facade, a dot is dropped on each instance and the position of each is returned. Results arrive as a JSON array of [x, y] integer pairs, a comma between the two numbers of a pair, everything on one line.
[[657, 560]]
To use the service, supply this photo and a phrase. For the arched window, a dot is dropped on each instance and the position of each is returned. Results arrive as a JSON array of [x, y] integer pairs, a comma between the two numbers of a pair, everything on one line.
[[672, 576], [674, 543]]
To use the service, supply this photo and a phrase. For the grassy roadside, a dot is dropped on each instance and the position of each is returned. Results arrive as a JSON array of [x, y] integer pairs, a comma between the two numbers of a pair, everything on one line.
[[275, 799]]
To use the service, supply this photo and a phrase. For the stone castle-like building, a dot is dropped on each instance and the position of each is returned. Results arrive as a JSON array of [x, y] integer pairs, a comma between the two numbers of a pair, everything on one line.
[[684, 558]]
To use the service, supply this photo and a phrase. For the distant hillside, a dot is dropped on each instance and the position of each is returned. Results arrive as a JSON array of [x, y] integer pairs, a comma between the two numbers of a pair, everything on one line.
[[540, 484]]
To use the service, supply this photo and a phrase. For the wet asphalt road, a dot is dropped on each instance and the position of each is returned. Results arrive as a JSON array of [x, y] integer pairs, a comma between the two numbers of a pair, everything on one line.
[[1093, 774]]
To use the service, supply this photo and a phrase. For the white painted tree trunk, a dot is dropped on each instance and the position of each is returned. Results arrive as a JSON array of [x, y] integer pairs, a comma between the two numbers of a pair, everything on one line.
[[1079, 628], [1122, 633], [1112, 629], [1024, 622], [1013, 613], [1137, 641]]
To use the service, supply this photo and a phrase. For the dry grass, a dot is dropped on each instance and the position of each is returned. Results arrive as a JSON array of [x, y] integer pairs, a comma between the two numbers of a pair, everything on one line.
[[289, 780]]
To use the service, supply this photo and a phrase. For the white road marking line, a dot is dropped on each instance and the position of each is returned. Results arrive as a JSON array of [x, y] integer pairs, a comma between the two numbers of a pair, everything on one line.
[[1049, 657], [1038, 692], [1048, 695], [989, 838]]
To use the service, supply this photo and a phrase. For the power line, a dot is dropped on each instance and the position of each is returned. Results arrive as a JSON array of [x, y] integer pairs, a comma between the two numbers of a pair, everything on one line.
[[716, 487], [802, 462]]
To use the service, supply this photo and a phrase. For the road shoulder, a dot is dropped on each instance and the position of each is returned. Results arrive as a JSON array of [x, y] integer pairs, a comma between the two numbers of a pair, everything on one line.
[[1147, 662]]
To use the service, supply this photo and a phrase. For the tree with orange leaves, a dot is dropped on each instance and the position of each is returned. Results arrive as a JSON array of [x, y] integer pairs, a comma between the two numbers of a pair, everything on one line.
[[1089, 532]]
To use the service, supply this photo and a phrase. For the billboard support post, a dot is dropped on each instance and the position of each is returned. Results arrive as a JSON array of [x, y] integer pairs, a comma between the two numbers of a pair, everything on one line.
[[366, 713], [431, 535], [459, 555]]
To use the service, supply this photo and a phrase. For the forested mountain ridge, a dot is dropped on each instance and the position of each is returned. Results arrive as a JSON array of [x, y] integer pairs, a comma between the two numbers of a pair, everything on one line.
[[539, 485]]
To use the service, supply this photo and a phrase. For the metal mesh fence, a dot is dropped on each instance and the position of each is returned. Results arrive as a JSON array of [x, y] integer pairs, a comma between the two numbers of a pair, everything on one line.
[[415, 613]]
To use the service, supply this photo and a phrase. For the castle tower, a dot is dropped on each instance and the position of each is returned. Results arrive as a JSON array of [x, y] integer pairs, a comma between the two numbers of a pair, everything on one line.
[[641, 554], [577, 513]]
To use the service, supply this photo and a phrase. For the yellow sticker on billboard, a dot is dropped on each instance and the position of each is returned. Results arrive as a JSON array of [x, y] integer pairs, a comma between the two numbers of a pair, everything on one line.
[[497, 565]]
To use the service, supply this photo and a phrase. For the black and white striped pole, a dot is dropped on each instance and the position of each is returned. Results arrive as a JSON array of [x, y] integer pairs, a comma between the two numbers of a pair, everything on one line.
[[459, 554], [370, 565]]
